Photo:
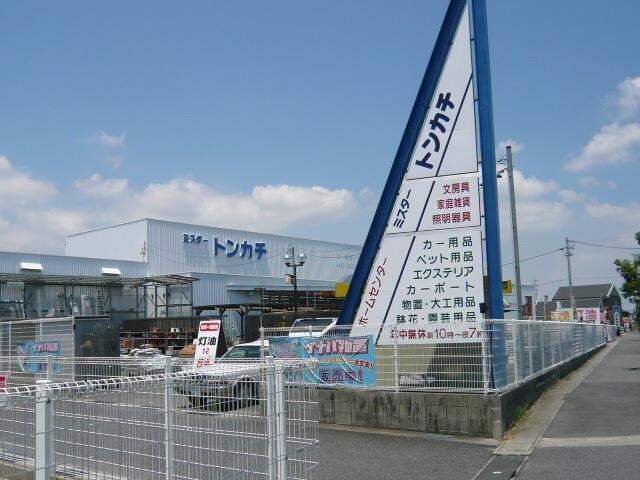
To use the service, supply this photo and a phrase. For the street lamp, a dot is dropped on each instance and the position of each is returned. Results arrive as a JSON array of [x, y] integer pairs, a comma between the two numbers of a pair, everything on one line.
[[293, 261], [508, 162]]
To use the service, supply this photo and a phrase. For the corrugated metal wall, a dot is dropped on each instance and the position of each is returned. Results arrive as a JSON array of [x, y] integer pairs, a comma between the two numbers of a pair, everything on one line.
[[71, 266], [121, 242], [168, 253]]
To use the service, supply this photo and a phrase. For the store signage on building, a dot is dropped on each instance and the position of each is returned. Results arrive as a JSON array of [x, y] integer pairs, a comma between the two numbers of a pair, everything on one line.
[[425, 284], [194, 238], [207, 346], [228, 246], [586, 315], [243, 249]]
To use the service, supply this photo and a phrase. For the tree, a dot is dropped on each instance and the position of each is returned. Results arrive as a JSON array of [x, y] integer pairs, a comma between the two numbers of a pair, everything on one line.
[[630, 271]]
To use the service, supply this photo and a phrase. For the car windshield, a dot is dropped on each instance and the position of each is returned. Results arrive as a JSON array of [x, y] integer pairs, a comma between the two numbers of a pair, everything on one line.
[[316, 323], [243, 352]]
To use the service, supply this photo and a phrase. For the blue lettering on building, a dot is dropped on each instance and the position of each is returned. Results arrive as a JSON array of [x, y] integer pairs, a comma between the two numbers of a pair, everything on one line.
[[243, 249], [229, 247]]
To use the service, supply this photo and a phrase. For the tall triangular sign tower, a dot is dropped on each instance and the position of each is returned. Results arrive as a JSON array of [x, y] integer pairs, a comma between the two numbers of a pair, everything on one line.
[[435, 233]]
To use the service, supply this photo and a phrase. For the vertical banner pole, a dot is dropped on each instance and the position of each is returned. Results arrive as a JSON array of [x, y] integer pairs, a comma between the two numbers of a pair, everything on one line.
[[489, 187]]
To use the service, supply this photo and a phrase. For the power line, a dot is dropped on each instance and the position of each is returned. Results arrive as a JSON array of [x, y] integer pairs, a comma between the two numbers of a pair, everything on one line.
[[604, 246], [535, 256], [591, 277]]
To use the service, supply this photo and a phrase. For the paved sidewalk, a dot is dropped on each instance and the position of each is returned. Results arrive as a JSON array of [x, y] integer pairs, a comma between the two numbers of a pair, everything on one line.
[[596, 432]]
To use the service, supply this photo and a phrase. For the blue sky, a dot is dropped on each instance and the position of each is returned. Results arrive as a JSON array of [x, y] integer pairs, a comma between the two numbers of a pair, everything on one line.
[[285, 116]]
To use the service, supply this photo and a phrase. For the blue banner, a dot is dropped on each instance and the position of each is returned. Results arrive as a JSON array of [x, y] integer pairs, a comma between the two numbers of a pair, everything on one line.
[[32, 355], [348, 361]]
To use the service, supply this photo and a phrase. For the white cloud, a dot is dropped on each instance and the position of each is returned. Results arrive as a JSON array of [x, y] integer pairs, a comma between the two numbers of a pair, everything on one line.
[[629, 213], [614, 144], [515, 147], [542, 215], [267, 208], [5, 164], [588, 182], [627, 99], [96, 186], [536, 207], [20, 188], [107, 140], [571, 196], [531, 187]]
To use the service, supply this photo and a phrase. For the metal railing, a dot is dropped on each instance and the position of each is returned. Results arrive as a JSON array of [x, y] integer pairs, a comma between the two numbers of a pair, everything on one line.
[[234, 420], [449, 358], [534, 347], [612, 332]]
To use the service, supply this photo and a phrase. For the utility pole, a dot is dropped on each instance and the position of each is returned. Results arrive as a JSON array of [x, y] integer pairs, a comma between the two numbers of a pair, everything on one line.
[[544, 308], [514, 232], [535, 299], [568, 253]]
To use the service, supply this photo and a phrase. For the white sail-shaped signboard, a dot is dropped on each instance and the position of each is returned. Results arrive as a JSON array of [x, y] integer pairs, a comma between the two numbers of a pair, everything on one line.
[[427, 277]]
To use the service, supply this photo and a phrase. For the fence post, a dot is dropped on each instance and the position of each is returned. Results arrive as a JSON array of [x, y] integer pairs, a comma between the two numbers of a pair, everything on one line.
[[50, 367], [530, 347], [45, 467], [169, 409], [261, 342], [543, 363], [516, 372], [276, 419], [485, 357], [396, 366]]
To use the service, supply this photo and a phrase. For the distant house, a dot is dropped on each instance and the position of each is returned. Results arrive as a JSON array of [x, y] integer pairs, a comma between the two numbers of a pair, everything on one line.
[[600, 296]]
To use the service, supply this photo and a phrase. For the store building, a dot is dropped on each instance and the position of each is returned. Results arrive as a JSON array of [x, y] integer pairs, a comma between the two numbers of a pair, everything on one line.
[[157, 269]]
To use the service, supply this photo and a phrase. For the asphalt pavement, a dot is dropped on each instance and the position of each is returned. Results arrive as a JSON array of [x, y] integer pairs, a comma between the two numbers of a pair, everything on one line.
[[358, 455]]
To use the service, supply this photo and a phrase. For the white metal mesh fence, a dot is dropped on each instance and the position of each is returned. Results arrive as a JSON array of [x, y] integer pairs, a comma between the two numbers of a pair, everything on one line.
[[16, 333], [232, 421], [533, 347], [612, 332], [465, 359]]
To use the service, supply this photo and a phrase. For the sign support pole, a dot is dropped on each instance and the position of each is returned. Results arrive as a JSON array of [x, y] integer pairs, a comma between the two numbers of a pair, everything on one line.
[[489, 187]]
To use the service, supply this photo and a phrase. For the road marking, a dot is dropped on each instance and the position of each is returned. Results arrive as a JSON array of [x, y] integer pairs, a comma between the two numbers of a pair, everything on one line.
[[527, 435], [617, 441], [500, 467]]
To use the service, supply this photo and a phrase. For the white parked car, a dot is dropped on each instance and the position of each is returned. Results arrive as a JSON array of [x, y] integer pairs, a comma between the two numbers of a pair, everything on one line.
[[316, 327], [143, 361], [233, 381]]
